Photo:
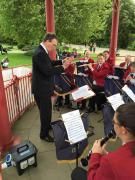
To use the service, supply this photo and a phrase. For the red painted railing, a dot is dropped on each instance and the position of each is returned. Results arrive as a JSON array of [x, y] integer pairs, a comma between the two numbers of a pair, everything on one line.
[[18, 95]]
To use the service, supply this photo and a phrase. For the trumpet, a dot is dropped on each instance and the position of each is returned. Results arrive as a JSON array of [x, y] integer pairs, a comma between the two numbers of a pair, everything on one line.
[[84, 161]]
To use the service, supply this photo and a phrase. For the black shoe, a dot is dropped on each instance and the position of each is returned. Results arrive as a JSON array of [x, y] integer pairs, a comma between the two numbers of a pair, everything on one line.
[[47, 138]]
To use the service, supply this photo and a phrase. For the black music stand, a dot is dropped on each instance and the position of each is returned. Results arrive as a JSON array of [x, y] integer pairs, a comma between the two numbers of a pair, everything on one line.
[[78, 172]]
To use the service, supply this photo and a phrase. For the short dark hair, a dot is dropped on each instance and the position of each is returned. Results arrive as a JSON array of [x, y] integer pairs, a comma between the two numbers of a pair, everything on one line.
[[126, 117], [49, 37], [106, 51], [100, 54]]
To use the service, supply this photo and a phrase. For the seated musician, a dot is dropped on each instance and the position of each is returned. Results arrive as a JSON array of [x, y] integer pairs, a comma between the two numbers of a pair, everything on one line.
[[129, 76], [108, 60], [86, 72], [69, 79], [99, 72], [123, 67], [74, 53], [117, 165], [87, 57], [126, 63]]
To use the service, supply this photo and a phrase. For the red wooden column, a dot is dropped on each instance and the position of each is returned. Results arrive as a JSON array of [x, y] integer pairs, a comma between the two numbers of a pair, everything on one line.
[[6, 137], [50, 22], [114, 31]]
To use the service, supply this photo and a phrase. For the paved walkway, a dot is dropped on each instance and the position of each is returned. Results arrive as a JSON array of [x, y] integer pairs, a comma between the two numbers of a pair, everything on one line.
[[48, 168]]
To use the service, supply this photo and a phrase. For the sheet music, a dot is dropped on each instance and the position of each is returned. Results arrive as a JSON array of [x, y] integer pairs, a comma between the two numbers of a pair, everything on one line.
[[119, 67], [82, 92], [74, 126], [112, 77], [115, 100], [129, 92]]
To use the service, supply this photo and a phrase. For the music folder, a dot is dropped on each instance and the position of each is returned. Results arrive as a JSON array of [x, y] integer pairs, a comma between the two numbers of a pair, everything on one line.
[[74, 126], [129, 92], [115, 100], [82, 93]]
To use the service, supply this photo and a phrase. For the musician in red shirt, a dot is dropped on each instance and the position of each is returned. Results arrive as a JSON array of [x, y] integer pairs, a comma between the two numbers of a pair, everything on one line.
[[84, 71], [126, 63], [129, 75], [86, 60], [108, 60], [117, 165], [87, 57], [120, 164], [99, 72]]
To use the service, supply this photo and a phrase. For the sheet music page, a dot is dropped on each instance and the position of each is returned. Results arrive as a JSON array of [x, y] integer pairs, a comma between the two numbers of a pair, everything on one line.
[[119, 67], [74, 126], [112, 77], [129, 92], [82, 92], [115, 100]]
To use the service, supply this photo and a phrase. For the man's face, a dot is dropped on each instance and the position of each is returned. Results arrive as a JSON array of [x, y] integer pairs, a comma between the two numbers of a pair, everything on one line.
[[106, 55], [51, 45]]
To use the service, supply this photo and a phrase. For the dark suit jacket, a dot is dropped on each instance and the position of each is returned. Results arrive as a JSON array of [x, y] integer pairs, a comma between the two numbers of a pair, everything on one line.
[[118, 165], [43, 70]]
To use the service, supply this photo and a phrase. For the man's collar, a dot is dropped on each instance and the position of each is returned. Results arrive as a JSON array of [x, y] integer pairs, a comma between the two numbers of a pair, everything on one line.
[[44, 47]]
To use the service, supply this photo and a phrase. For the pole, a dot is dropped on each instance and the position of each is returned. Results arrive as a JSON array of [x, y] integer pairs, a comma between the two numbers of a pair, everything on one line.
[[6, 137], [114, 31], [50, 22]]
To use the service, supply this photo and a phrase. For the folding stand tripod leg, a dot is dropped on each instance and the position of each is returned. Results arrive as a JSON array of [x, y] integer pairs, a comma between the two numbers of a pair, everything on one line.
[[77, 153]]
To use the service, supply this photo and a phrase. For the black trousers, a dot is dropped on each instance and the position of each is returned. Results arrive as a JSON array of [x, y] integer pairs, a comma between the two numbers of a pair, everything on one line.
[[79, 174], [99, 99], [45, 109]]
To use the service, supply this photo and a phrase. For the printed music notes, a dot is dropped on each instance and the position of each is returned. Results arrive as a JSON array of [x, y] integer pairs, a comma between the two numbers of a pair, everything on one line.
[[74, 126], [129, 92], [115, 100], [82, 93], [112, 77]]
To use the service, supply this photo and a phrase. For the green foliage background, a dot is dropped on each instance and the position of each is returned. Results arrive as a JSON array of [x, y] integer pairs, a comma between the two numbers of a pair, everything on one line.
[[22, 22]]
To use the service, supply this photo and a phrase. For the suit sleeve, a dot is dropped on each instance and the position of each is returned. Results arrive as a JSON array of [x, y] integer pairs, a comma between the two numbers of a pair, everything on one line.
[[56, 63], [44, 65], [99, 168]]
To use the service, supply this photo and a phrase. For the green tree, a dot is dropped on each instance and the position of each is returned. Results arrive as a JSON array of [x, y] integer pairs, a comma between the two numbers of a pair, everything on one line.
[[81, 21], [23, 21], [126, 24]]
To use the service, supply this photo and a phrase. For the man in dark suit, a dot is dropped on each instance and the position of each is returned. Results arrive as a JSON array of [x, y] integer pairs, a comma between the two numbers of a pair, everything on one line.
[[42, 85]]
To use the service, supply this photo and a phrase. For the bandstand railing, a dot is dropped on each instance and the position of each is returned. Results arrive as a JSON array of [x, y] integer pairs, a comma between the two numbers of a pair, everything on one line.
[[18, 92]]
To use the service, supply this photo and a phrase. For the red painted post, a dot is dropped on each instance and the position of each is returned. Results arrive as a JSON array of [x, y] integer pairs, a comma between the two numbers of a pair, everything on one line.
[[50, 22], [6, 137], [114, 31]]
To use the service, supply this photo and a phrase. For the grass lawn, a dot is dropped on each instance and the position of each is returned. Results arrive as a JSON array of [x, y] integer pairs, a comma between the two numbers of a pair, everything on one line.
[[17, 59]]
